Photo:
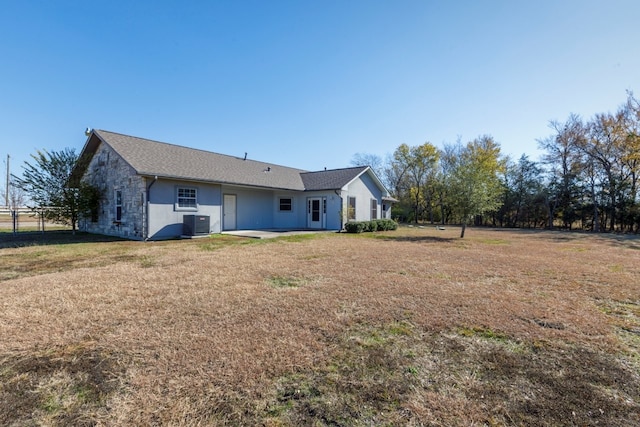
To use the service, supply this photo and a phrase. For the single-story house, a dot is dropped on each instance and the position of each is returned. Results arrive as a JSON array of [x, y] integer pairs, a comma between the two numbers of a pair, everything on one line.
[[155, 190]]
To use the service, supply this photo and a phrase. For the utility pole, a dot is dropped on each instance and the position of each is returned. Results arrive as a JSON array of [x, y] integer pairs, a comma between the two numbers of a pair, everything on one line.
[[6, 189]]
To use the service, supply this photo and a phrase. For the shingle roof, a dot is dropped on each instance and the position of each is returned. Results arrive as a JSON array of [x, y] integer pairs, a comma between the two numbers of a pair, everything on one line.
[[153, 158], [331, 179]]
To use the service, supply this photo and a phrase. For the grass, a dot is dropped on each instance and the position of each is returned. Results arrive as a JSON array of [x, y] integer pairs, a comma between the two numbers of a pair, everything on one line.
[[412, 327], [285, 282]]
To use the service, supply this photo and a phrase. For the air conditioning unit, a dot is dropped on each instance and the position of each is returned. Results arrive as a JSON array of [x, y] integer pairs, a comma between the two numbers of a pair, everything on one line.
[[194, 225]]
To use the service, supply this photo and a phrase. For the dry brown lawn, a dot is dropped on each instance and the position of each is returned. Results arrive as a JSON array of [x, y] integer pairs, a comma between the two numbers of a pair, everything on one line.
[[411, 327]]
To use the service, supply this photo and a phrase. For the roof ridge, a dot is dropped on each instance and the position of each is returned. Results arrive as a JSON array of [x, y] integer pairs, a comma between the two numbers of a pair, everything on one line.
[[337, 169]]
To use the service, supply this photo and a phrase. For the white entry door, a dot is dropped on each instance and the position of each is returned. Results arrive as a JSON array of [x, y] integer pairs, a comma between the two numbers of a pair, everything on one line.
[[229, 212], [315, 214]]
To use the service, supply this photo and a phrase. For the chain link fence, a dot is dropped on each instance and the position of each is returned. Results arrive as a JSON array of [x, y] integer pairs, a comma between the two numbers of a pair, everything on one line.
[[24, 219]]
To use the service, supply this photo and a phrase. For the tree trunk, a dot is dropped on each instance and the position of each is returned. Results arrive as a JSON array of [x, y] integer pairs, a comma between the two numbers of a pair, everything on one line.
[[464, 227], [549, 213], [596, 219]]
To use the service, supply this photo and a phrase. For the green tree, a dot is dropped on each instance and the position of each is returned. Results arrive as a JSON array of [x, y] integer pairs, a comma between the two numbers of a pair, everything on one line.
[[416, 166], [474, 181], [448, 160], [524, 191], [46, 181]]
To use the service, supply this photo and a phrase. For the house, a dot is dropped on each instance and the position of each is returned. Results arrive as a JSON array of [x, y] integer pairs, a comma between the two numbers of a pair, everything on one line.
[[155, 190]]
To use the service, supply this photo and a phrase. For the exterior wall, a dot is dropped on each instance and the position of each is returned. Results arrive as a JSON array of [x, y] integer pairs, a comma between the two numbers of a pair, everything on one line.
[[386, 210], [332, 216], [335, 220], [296, 218], [260, 209], [364, 190], [110, 173], [254, 208], [166, 218]]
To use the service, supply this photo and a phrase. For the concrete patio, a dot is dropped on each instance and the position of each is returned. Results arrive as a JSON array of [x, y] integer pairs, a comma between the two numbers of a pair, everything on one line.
[[273, 233]]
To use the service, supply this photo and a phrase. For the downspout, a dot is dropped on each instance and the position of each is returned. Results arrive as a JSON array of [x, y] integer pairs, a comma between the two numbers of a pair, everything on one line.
[[339, 194], [146, 219]]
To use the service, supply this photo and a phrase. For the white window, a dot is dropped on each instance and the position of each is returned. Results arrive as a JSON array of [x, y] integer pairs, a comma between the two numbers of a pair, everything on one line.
[[187, 198], [374, 209]]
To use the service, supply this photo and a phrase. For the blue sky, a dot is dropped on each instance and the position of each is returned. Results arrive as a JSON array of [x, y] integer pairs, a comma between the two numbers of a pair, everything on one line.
[[309, 83]]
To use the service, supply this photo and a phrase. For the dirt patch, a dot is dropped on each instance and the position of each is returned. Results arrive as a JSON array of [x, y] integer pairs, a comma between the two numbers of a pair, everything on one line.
[[369, 375], [60, 387], [407, 378], [524, 384]]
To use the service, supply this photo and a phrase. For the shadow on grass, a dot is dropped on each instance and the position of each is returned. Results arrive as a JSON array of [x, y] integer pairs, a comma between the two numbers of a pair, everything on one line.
[[38, 238], [418, 239], [630, 240]]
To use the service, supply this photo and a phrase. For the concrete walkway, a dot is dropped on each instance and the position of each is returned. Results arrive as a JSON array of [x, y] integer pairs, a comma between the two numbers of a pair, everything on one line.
[[270, 234]]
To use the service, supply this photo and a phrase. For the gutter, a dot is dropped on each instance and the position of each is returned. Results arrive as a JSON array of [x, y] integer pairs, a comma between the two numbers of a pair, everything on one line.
[[146, 219], [339, 194]]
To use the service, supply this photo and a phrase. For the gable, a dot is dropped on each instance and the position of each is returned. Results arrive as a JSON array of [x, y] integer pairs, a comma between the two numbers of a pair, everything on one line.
[[330, 179]]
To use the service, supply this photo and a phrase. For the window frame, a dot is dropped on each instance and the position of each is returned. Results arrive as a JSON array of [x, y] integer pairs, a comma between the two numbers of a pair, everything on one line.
[[374, 209], [351, 208], [280, 204], [117, 196], [180, 198]]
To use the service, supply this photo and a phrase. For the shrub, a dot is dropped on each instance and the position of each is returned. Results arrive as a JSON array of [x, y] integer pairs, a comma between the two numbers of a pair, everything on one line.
[[373, 225], [354, 227], [391, 224]]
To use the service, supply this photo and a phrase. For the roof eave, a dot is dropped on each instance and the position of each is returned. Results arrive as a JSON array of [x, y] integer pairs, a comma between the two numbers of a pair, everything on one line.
[[84, 158], [219, 182]]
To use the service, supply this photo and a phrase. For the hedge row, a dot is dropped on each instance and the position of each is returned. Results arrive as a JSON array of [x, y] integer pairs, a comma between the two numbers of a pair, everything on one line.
[[373, 225]]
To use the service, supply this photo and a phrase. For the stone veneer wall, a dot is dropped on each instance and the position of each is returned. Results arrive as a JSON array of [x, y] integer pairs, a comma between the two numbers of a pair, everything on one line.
[[109, 172]]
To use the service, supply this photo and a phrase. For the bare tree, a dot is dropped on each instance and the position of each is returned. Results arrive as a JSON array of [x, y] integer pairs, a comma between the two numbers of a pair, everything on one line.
[[564, 167], [367, 159]]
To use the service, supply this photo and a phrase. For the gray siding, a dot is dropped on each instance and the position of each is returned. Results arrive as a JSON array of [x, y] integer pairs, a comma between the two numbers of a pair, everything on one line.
[[166, 218], [333, 215], [296, 218], [254, 208], [334, 212], [364, 190]]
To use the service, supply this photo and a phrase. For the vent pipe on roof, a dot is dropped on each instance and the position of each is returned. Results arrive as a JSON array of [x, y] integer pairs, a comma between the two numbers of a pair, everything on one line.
[[245, 155]]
